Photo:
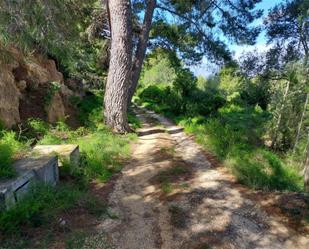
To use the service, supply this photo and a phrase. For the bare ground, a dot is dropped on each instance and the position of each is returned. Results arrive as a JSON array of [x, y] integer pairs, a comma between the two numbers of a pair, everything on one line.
[[170, 196]]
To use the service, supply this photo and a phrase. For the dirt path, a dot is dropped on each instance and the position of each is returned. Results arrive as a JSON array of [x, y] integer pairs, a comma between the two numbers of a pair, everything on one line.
[[170, 197]]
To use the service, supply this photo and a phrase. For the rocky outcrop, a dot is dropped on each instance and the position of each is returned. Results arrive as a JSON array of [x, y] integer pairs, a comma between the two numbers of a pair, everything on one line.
[[9, 98], [27, 89], [55, 110]]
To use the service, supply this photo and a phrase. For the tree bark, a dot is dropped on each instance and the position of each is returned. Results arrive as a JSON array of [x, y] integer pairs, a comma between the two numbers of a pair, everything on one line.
[[306, 171], [117, 86], [300, 123], [141, 48], [278, 124]]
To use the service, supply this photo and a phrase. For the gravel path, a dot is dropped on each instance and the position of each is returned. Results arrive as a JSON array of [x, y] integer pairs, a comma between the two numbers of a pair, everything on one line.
[[209, 211]]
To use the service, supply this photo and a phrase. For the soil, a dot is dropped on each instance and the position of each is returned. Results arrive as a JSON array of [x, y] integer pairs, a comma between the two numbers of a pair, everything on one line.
[[204, 206], [174, 195]]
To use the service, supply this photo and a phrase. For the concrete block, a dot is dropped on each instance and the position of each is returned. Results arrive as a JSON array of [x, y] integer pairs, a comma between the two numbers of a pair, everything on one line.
[[69, 152], [44, 169]]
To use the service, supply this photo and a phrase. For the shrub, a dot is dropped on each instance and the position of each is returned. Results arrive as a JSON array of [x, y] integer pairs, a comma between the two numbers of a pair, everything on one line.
[[102, 153], [10, 148], [262, 169], [233, 136], [43, 203], [35, 129], [6, 159], [90, 109]]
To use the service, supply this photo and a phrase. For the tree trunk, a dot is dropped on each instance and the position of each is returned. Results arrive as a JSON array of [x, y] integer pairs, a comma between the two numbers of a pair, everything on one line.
[[300, 124], [306, 171], [278, 124], [117, 86], [141, 48]]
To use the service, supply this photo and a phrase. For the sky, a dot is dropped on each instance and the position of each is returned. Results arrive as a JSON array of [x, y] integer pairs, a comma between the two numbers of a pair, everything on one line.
[[205, 69]]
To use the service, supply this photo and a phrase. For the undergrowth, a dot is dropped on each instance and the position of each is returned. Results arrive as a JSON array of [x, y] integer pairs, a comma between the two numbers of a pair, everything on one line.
[[43, 205], [235, 139], [102, 154], [10, 149], [234, 133]]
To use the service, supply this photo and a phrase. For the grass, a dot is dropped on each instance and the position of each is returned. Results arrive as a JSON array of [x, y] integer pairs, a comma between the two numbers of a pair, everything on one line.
[[102, 152], [10, 149], [6, 160], [102, 155], [167, 177], [42, 204], [42, 210], [237, 144], [235, 135]]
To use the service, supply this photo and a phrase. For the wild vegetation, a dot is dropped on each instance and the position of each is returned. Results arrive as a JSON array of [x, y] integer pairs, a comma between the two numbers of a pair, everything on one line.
[[71, 70], [235, 117], [102, 155]]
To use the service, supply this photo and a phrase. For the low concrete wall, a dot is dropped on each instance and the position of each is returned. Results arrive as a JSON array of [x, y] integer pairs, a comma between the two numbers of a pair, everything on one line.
[[43, 169]]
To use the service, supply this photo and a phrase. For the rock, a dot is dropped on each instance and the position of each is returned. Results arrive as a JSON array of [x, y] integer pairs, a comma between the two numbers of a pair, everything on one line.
[[62, 222], [21, 85], [55, 110], [24, 85], [76, 85], [65, 91], [9, 98]]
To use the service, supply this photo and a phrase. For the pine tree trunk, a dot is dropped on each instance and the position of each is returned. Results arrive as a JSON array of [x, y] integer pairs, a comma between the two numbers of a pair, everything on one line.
[[306, 171], [278, 124], [117, 86], [300, 124], [141, 48]]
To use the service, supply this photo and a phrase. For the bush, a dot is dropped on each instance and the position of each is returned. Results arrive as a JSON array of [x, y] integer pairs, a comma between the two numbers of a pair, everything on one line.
[[234, 137], [262, 169], [6, 159], [10, 148], [43, 203], [90, 109], [103, 154]]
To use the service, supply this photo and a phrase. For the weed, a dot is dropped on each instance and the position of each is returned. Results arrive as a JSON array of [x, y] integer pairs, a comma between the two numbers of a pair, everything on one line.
[[39, 207], [170, 151], [6, 159], [10, 149], [42, 205], [103, 153], [53, 88], [166, 187]]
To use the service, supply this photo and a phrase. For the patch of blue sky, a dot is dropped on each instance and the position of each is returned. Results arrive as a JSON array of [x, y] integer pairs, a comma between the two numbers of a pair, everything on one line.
[[206, 69]]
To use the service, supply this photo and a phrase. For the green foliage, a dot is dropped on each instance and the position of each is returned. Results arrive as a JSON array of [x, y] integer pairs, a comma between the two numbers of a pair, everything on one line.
[[45, 26], [235, 137], [180, 96], [38, 207], [43, 203], [102, 154], [289, 21], [287, 109], [90, 109], [53, 88], [194, 33], [37, 127], [160, 70], [6, 159], [10, 148]]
